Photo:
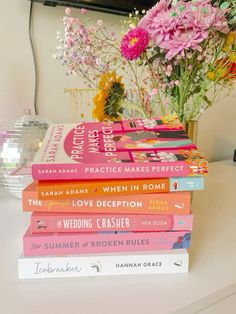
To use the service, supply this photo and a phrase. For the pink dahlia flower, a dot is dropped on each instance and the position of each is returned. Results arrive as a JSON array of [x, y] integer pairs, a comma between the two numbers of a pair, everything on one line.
[[184, 25], [134, 43], [212, 17], [161, 6]]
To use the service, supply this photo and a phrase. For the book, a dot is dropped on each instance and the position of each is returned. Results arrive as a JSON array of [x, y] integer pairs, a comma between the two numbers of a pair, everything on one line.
[[71, 222], [115, 264], [102, 242], [70, 189], [159, 203], [146, 148]]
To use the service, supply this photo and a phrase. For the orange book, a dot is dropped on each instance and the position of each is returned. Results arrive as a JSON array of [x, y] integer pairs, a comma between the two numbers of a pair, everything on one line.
[[83, 189], [177, 203]]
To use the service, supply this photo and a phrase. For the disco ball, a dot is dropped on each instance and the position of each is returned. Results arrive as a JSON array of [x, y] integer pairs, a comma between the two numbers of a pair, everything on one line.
[[20, 139]]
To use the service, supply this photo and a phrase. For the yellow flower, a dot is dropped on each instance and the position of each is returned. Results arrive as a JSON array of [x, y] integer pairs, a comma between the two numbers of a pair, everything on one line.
[[98, 110], [108, 79], [211, 75], [226, 48], [232, 57], [230, 38], [109, 86], [222, 68], [220, 73]]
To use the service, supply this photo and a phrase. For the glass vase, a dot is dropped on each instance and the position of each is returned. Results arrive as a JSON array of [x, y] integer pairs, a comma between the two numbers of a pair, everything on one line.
[[191, 128]]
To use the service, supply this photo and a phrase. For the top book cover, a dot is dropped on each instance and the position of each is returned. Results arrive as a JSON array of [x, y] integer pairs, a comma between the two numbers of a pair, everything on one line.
[[138, 148]]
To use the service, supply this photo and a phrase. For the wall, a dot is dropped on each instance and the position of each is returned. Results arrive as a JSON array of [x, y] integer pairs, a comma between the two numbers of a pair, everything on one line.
[[217, 127], [16, 74]]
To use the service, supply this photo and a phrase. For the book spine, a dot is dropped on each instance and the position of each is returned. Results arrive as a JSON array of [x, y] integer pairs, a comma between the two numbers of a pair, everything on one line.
[[103, 265], [177, 203], [67, 189], [76, 171], [44, 223], [104, 242]]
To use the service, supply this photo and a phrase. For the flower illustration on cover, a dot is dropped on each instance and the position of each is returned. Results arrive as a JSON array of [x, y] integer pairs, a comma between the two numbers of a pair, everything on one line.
[[183, 242], [150, 123], [172, 121], [153, 156], [166, 157], [195, 160], [140, 157]]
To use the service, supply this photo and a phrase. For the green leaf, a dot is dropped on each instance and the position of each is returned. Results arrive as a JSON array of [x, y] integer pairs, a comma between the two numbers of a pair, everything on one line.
[[224, 5], [113, 101], [207, 100]]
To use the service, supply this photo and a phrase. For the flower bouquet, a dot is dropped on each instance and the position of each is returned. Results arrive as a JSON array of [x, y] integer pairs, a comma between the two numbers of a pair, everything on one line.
[[176, 57]]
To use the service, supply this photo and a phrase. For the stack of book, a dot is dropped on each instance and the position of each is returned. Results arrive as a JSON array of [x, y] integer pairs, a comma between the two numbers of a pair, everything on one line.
[[111, 199]]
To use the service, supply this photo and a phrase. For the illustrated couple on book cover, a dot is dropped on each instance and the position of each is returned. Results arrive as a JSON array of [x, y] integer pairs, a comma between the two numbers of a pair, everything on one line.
[[146, 139]]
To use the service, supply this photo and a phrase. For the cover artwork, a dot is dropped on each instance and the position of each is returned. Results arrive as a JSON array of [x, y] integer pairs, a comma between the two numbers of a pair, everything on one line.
[[122, 149]]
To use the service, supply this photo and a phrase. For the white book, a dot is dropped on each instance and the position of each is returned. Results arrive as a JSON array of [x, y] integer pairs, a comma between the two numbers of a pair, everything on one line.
[[109, 264]]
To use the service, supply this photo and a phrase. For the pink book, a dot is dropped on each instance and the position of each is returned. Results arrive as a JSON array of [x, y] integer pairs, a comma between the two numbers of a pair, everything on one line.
[[102, 242], [146, 148], [71, 222]]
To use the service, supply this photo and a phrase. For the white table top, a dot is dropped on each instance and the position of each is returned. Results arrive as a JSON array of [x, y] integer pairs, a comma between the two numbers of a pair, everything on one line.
[[212, 264]]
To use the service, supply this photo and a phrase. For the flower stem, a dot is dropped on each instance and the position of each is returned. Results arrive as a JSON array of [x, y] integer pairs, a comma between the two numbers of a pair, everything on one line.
[[156, 86], [137, 83], [132, 105]]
